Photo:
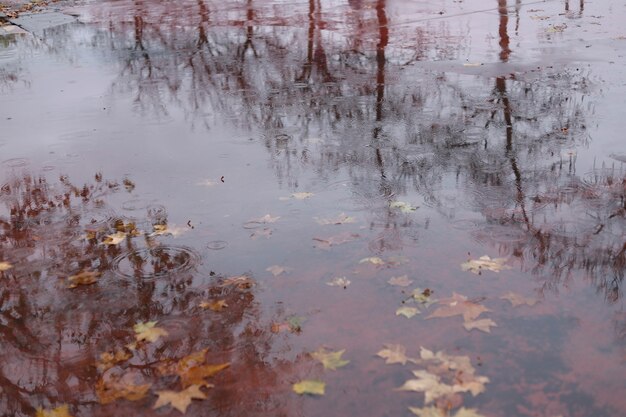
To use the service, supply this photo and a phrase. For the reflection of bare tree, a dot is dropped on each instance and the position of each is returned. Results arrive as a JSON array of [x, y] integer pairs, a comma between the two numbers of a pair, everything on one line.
[[52, 336], [506, 142]]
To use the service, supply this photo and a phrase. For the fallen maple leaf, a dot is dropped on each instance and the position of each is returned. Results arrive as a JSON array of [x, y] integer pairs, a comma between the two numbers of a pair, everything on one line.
[[147, 331], [276, 270], [393, 354], [5, 266], [60, 411], [113, 386], [114, 239], [216, 305], [308, 386], [339, 282], [375, 260], [429, 384], [518, 300], [463, 373], [484, 262], [83, 278], [179, 400], [330, 360], [164, 230], [407, 312], [401, 281], [484, 325], [340, 219], [404, 207], [458, 305], [243, 282], [196, 375]]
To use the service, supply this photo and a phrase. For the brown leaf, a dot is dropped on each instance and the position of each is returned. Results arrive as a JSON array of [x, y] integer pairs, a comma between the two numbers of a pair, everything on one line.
[[83, 278], [243, 282], [113, 386], [108, 359], [114, 239], [196, 374], [216, 305], [179, 400], [458, 305]]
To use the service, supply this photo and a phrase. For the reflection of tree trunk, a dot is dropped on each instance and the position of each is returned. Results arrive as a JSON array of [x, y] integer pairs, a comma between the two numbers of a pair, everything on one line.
[[504, 35], [315, 47], [383, 40], [204, 20]]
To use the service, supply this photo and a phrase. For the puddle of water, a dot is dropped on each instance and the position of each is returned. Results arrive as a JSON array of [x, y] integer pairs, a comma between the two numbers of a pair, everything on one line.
[[382, 139]]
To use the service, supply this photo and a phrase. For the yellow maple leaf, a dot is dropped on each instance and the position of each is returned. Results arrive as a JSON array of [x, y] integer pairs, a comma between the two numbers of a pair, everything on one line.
[[83, 278], [61, 411], [147, 331], [108, 359], [5, 266], [179, 400], [309, 386]]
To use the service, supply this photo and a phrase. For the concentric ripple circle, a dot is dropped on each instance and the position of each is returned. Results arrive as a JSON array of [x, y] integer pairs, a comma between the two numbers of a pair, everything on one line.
[[152, 263]]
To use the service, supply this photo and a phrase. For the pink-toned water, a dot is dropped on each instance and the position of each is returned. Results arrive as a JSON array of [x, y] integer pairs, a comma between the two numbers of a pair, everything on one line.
[[500, 122]]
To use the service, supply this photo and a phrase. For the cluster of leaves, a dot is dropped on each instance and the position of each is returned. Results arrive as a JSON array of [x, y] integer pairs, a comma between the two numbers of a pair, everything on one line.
[[118, 380], [331, 360], [440, 377]]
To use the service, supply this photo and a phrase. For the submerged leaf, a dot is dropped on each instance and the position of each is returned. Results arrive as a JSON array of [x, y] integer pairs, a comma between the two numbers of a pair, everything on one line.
[[518, 300], [436, 412], [196, 375], [179, 400], [302, 196], [164, 229], [393, 354], [429, 384], [458, 305], [113, 386], [309, 386], [83, 278], [243, 282], [404, 207], [483, 325], [148, 332], [266, 232], [60, 411], [276, 270], [327, 243], [108, 359], [407, 312], [401, 281], [374, 260], [339, 282], [340, 219], [330, 360], [215, 305], [265, 219], [484, 262]]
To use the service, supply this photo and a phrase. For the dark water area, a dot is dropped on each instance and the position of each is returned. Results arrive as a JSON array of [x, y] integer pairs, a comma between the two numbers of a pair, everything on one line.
[[257, 177]]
